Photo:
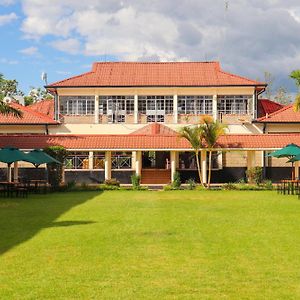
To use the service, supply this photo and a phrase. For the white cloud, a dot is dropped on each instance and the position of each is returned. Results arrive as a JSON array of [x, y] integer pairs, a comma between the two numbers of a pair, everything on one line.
[[252, 36], [5, 19], [30, 51], [63, 72], [71, 45], [7, 2], [7, 61]]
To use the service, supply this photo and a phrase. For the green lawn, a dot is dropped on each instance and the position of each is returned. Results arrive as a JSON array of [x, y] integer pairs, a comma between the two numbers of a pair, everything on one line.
[[150, 245]]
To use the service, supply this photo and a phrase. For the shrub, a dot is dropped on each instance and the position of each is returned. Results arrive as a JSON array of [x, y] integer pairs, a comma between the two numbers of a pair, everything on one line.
[[229, 186], [254, 175], [176, 184], [108, 187], [136, 181], [191, 184], [268, 184], [112, 182]]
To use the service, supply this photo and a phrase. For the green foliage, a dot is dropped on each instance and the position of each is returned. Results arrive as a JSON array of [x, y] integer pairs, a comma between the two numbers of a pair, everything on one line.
[[109, 187], [296, 76], [136, 181], [254, 175], [112, 182], [176, 184], [55, 170], [191, 184]]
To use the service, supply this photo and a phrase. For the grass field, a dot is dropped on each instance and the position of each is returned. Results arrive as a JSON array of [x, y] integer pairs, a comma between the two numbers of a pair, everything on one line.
[[150, 245]]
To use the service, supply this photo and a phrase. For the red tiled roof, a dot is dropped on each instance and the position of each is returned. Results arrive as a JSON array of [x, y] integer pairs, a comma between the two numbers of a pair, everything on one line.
[[266, 106], [45, 107], [135, 142], [155, 129], [30, 116], [120, 74], [283, 115]]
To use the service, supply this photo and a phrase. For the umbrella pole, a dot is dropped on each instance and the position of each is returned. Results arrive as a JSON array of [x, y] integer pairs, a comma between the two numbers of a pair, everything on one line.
[[16, 171], [9, 172], [293, 173]]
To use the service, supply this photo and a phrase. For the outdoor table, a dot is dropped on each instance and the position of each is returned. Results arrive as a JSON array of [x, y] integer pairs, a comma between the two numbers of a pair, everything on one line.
[[37, 183], [8, 187], [290, 186]]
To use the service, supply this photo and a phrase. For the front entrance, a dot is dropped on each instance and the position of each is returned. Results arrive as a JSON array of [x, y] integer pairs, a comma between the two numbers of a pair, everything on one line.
[[156, 168]]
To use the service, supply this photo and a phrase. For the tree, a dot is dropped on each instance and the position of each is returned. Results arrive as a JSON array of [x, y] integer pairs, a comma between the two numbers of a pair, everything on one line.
[[55, 170], [296, 76], [269, 79], [282, 96], [8, 87], [194, 135], [211, 132]]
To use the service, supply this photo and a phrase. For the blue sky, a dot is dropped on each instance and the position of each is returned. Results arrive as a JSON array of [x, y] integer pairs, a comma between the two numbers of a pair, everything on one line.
[[63, 38]]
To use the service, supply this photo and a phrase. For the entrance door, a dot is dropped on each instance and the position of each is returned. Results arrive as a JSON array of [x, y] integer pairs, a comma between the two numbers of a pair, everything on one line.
[[156, 167]]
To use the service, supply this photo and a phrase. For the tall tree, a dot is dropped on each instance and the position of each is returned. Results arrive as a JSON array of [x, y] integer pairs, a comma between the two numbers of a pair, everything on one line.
[[296, 76], [211, 132], [8, 87], [194, 135], [269, 79], [282, 96]]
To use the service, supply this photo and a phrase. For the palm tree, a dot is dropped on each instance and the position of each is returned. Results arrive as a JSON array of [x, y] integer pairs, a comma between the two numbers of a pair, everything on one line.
[[211, 132], [296, 76], [6, 109], [194, 135]]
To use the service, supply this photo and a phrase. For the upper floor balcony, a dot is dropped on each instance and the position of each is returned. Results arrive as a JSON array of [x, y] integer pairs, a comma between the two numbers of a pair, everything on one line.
[[169, 109]]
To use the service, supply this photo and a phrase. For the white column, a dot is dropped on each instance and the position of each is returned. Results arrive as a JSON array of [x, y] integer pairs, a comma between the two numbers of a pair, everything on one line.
[[96, 109], [175, 108], [204, 166], [91, 160], [107, 165], [173, 164], [250, 159], [297, 169], [215, 107], [136, 109], [138, 163], [16, 171]]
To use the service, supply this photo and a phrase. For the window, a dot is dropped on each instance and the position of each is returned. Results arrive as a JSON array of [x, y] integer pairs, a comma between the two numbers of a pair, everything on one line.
[[195, 105], [155, 107], [77, 105], [121, 160], [235, 104], [77, 160], [116, 107]]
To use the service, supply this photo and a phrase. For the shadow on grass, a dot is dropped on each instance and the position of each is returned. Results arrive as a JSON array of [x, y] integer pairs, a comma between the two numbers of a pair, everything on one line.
[[70, 223], [21, 219]]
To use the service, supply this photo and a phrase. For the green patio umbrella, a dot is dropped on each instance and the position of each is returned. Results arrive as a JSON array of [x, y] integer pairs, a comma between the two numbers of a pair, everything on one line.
[[10, 155], [290, 151], [38, 157]]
